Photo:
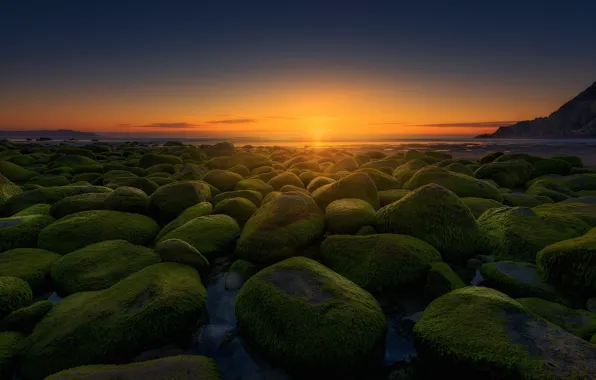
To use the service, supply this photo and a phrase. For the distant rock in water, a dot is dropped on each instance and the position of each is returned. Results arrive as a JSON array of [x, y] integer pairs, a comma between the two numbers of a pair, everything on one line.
[[575, 119]]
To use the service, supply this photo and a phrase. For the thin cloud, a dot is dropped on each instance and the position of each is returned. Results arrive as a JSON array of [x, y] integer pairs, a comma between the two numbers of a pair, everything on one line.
[[180, 125], [232, 121], [471, 124]]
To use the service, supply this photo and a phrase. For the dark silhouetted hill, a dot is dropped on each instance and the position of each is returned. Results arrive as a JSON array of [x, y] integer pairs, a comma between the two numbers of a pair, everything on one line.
[[56, 133]]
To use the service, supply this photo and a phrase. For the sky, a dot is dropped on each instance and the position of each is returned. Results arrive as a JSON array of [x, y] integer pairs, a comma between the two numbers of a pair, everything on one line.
[[315, 70]]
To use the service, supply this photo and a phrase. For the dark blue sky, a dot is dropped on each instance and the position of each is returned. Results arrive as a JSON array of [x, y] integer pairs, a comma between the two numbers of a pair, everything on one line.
[[58, 49]]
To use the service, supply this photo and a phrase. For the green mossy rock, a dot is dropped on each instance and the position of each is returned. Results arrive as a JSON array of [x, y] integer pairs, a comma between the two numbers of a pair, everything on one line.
[[224, 148], [388, 162], [516, 279], [479, 205], [583, 211], [147, 185], [23, 160], [239, 272], [241, 209], [285, 178], [509, 174], [212, 235], [190, 172], [49, 180], [29, 264], [170, 200], [71, 160], [38, 209], [160, 301], [307, 177], [179, 251], [127, 199], [345, 164], [318, 182], [524, 200], [576, 182], [14, 294], [99, 266], [462, 185], [438, 155], [578, 322], [379, 262], [252, 195], [22, 231], [355, 185], [224, 180], [553, 191], [171, 367], [574, 161], [24, 319], [441, 279], [458, 167], [161, 168], [262, 170], [307, 165], [570, 264], [150, 159], [240, 169], [250, 160], [389, 196], [16, 173], [329, 324], [436, 215], [292, 188], [478, 331], [78, 203], [382, 180], [256, 185], [271, 197], [78, 230], [518, 233], [404, 172], [48, 195], [348, 216], [7, 190], [550, 166], [280, 229], [9, 342], [200, 209]]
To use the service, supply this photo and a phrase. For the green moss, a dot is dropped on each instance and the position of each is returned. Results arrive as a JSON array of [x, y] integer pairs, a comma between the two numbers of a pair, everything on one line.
[[516, 279], [262, 170], [7, 190], [49, 180], [160, 302], [382, 180], [222, 179], [570, 264], [413, 154], [436, 215], [345, 164], [49, 195], [22, 231], [172, 367], [239, 272], [252, 195], [241, 209], [78, 203], [99, 266], [477, 331], [578, 322], [576, 182], [550, 166], [190, 172], [15, 293], [212, 235], [489, 157], [127, 199], [29, 264], [509, 174], [388, 162], [441, 279], [87, 177], [147, 185], [83, 169], [200, 209], [281, 228], [307, 177], [250, 160], [9, 342], [318, 182], [461, 184], [78, 230], [179, 251], [240, 169], [379, 262], [329, 324], [161, 168], [518, 233], [404, 172], [553, 191], [23, 160], [583, 211], [308, 165], [224, 148], [71, 160], [285, 178], [479, 205], [355, 185], [24, 319], [15, 173], [169, 201], [524, 200], [458, 167], [389, 196], [38, 209], [150, 159], [348, 215], [574, 161], [270, 197], [256, 185]]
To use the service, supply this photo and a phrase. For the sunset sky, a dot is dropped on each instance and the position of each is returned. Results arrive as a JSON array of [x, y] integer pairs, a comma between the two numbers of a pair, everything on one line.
[[291, 69]]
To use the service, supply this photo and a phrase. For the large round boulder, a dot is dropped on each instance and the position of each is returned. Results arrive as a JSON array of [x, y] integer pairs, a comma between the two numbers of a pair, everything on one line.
[[355, 185], [224, 180], [29, 264], [349, 215], [200, 209], [169, 201], [22, 231], [14, 294]]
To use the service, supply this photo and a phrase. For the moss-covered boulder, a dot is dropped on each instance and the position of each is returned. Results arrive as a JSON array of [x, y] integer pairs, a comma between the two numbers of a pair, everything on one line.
[[379, 262], [285, 178], [127, 199], [147, 185], [200, 209], [24, 319], [307, 165], [389, 196], [355, 185], [516, 279], [329, 324], [262, 170], [388, 162], [574, 161], [478, 331], [348, 215], [9, 343], [78, 203], [169, 201], [404, 172], [22, 231], [241, 209], [29, 264], [489, 157], [212, 235], [570, 264], [256, 185], [160, 301], [38, 209], [48, 195], [99, 266], [583, 211], [190, 172], [239, 272], [509, 174], [576, 182], [179, 251], [281, 228], [578, 322], [171, 367], [49, 180], [78, 230], [224, 180], [7, 190], [462, 185], [553, 191], [15, 173], [550, 166], [524, 200], [518, 233], [441, 279], [240, 169], [150, 159], [307, 177], [317, 182], [436, 215], [248, 159], [458, 167], [71, 160], [252, 195], [345, 164], [223, 148], [383, 181], [14, 294], [479, 205]]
